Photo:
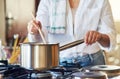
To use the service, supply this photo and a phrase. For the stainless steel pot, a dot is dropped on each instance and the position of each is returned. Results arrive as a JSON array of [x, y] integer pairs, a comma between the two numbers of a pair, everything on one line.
[[42, 56]]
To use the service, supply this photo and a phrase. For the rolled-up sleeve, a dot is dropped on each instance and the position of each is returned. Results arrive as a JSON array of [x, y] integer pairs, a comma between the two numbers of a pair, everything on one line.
[[106, 25]]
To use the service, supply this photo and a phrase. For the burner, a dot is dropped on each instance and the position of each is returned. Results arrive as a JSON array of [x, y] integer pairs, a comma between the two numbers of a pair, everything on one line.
[[13, 72], [62, 73], [3, 63], [44, 75], [17, 72]]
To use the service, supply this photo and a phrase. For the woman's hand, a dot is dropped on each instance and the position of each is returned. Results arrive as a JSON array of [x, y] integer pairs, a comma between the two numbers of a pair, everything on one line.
[[94, 36], [33, 27]]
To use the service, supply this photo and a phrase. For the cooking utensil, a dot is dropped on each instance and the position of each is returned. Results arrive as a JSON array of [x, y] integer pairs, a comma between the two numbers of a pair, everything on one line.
[[110, 70], [39, 30], [89, 75], [42, 56]]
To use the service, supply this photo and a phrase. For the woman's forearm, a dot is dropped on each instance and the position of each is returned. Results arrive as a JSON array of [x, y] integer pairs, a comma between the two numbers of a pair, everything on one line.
[[104, 40]]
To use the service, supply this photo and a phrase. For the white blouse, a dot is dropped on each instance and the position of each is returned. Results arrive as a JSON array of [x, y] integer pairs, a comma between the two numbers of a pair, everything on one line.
[[90, 15]]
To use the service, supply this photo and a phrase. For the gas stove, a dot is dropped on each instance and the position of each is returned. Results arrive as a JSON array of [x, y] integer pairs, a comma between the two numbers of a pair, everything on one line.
[[17, 72]]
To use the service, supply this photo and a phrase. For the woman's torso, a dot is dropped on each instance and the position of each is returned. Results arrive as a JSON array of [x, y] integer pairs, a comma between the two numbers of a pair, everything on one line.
[[86, 18]]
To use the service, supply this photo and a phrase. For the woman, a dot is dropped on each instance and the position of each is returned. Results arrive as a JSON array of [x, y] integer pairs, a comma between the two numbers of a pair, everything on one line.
[[64, 21]]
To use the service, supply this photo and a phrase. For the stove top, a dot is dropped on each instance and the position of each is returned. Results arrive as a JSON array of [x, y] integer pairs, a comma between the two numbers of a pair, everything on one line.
[[18, 72], [13, 72]]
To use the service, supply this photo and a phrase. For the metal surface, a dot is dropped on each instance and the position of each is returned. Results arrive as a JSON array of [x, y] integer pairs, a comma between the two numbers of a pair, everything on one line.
[[42, 56], [110, 70], [44, 75], [89, 75], [71, 44], [39, 56]]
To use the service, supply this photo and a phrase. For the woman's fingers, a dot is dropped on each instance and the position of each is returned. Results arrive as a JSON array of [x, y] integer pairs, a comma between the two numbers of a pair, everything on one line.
[[33, 26], [92, 37], [37, 23]]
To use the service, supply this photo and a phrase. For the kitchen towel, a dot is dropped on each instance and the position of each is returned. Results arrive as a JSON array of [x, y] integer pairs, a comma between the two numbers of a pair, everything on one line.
[[58, 17]]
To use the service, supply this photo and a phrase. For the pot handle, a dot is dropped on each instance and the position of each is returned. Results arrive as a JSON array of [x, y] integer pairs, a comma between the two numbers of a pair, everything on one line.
[[72, 44]]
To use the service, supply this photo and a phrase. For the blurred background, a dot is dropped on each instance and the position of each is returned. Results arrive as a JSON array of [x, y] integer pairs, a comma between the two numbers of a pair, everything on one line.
[[15, 14]]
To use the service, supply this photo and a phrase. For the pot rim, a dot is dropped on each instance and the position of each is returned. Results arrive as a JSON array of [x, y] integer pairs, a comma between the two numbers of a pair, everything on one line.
[[36, 43]]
